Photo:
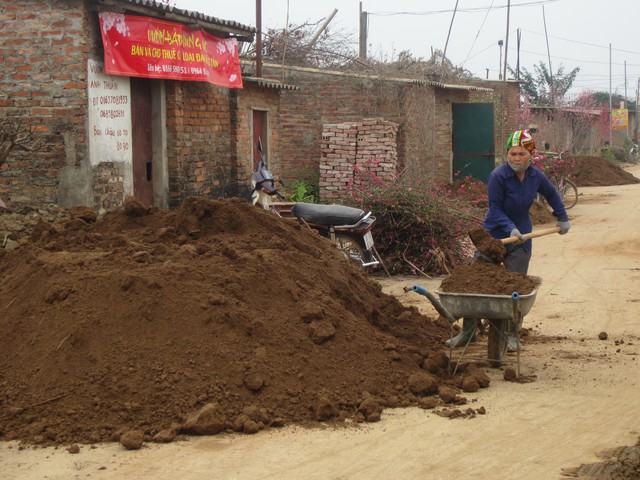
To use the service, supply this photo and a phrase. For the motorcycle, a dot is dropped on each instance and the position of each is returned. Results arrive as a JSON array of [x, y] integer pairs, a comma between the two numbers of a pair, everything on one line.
[[348, 228], [263, 185]]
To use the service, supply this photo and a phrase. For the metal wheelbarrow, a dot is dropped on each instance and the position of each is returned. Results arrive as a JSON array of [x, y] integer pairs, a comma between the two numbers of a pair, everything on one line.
[[498, 310]]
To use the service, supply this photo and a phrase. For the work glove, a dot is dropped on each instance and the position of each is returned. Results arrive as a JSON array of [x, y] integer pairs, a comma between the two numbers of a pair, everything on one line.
[[564, 227], [516, 233]]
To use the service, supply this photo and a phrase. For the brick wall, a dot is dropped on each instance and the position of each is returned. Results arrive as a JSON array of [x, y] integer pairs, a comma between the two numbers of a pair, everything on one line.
[[43, 49], [422, 112], [198, 140], [368, 147]]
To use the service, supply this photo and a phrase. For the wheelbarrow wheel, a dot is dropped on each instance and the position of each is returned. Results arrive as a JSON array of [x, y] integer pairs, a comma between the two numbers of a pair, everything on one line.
[[497, 342]]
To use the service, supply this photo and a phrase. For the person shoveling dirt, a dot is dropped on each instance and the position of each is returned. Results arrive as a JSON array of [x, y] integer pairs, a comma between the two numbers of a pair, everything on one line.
[[495, 249]]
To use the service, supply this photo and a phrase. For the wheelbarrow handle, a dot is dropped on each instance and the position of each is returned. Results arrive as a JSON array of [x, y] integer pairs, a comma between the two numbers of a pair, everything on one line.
[[435, 302], [537, 233]]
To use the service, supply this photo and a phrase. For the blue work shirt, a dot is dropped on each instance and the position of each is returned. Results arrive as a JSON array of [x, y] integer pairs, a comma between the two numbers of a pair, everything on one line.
[[510, 200]]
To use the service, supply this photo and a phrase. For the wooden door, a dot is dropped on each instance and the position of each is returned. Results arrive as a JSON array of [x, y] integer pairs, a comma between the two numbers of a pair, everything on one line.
[[141, 139]]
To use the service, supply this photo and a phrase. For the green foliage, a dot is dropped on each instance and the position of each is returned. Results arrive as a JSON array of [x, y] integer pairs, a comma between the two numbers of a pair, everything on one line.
[[602, 98], [304, 191], [608, 154], [420, 226], [546, 88]]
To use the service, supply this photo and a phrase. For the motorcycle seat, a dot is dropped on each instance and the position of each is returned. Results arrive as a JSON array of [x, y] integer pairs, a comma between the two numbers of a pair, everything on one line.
[[327, 214]]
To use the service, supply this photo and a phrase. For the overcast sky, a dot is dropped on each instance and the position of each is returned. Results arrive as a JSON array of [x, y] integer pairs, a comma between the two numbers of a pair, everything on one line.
[[599, 36]]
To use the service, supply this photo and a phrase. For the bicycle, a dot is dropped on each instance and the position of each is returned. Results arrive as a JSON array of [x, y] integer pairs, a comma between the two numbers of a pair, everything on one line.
[[554, 166], [567, 189]]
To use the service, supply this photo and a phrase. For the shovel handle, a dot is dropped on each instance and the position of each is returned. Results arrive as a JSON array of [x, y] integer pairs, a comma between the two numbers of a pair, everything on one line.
[[537, 233]]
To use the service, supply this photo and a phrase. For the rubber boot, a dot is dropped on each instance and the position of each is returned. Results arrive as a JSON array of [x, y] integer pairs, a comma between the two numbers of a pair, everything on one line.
[[467, 335]]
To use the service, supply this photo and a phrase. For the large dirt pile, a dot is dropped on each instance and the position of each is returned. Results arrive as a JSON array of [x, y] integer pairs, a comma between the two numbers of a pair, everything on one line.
[[599, 172], [140, 319]]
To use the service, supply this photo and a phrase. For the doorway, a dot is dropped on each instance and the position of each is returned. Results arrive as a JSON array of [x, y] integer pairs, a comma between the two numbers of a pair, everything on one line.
[[473, 140], [260, 144], [142, 140]]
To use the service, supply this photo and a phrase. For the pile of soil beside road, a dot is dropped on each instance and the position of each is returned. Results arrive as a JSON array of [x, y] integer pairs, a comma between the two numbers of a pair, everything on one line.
[[598, 172], [216, 316]]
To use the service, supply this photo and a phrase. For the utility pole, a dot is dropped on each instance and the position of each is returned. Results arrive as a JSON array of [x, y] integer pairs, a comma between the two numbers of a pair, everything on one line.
[[363, 34], [518, 56], [552, 89], [500, 43], [625, 83], [258, 38], [506, 42], [322, 28], [610, 104], [635, 131]]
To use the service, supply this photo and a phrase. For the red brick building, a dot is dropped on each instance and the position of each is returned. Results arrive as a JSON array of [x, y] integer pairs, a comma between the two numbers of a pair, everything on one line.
[[195, 138], [52, 56]]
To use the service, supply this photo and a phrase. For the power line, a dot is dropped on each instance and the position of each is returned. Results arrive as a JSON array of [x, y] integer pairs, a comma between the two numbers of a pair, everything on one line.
[[467, 10], [477, 34], [585, 43]]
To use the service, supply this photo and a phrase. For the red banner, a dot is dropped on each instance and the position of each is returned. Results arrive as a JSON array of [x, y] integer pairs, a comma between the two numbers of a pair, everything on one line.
[[146, 47]]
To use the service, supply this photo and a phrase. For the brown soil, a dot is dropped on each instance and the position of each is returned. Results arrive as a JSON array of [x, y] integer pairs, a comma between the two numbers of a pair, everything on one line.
[[540, 214], [488, 279], [487, 245], [140, 319], [598, 172]]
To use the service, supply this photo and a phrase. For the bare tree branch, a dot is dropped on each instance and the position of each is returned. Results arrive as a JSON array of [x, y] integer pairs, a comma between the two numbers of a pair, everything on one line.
[[14, 134]]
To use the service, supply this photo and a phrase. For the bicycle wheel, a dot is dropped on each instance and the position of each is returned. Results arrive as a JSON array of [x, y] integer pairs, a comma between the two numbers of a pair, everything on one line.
[[569, 193]]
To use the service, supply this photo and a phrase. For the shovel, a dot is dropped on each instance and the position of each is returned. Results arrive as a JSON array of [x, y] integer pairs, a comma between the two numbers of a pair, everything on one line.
[[494, 248], [534, 234]]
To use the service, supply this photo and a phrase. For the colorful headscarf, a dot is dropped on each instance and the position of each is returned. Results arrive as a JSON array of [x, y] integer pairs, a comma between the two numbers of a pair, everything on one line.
[[521, 138]]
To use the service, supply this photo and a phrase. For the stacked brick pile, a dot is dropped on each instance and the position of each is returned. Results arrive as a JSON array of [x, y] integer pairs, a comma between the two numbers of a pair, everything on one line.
[[348, 148]]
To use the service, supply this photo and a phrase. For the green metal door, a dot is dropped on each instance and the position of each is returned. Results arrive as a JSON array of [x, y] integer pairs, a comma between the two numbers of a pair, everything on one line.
[[473, 140]]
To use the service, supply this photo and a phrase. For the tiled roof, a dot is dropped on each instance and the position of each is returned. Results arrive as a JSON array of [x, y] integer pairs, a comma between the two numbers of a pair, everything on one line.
[[189, 16]]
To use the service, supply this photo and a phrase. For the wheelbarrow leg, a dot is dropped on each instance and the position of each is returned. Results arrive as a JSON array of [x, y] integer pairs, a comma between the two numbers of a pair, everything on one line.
[[497, 342]]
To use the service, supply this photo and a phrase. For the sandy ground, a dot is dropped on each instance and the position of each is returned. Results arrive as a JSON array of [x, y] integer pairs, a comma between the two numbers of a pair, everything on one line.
[[583, 399]]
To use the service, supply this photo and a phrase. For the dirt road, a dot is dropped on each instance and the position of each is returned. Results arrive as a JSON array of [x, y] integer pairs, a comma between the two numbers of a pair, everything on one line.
[[583, 399]]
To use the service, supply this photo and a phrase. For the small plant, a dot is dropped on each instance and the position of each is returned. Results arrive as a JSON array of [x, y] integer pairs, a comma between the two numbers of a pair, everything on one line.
[[304, 191]]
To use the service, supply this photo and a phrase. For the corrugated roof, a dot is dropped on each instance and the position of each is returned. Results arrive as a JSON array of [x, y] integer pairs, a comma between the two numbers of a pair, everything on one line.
[[391, 79], [449, 86], [266, 83], [187, 14]]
